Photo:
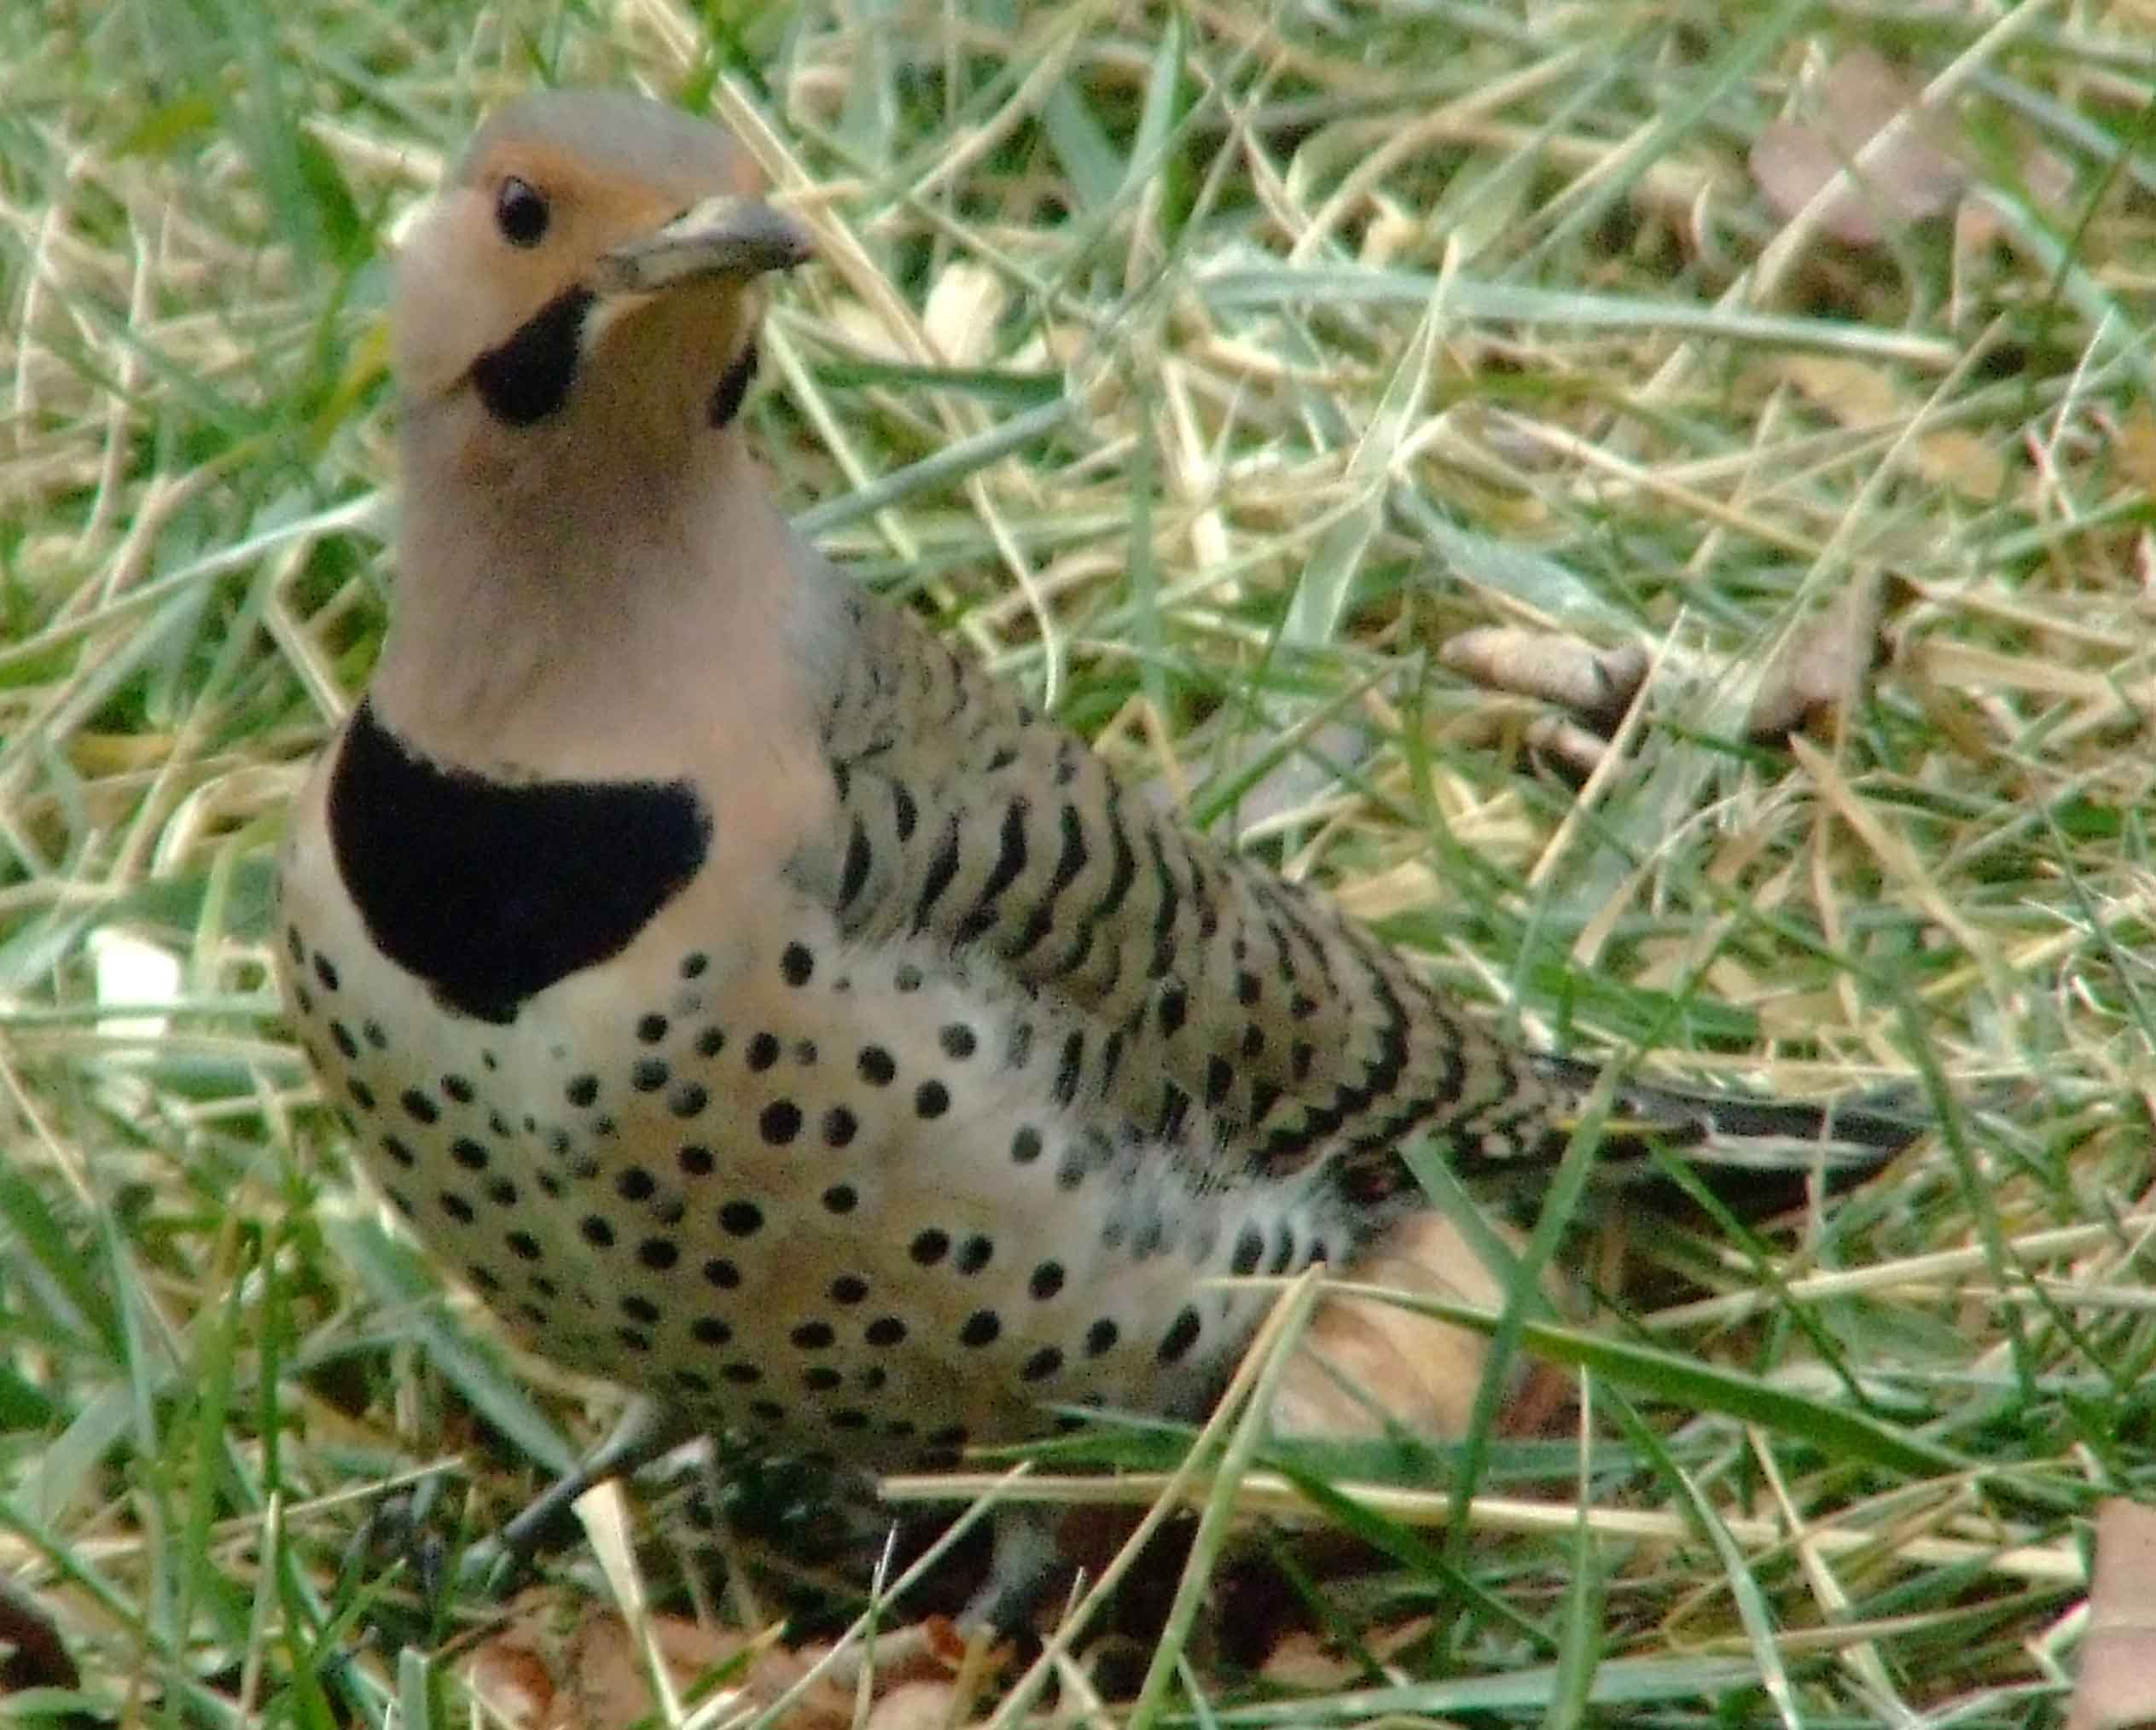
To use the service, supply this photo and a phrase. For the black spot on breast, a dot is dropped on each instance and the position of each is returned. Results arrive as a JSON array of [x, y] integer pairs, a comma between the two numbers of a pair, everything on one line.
[[491, 892], [1181, 1336], [527, 378]]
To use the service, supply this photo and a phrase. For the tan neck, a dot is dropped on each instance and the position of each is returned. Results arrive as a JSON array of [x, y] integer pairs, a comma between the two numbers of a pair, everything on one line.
[[566, 600]]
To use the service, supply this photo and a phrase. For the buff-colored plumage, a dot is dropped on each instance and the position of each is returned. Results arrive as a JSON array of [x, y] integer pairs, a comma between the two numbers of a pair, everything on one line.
[[759, 1004]]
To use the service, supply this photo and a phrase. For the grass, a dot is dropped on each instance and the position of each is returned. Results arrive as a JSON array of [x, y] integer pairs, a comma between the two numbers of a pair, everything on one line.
[[1205, 369]]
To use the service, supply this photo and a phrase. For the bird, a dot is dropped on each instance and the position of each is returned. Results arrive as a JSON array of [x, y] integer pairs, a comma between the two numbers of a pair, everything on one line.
[[755, 1001]]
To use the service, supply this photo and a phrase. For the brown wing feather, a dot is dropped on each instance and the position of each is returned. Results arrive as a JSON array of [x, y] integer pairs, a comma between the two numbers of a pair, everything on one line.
[[1207, 990]]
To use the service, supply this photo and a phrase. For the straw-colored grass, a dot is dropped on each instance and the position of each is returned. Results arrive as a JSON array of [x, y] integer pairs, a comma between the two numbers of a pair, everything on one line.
[[1205, 369]]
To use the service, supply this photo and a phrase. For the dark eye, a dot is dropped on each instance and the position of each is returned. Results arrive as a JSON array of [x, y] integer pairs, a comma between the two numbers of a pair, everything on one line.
[[521, 213]]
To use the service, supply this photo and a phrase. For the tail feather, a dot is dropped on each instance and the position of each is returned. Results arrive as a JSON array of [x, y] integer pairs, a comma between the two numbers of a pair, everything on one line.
[[1849, 1133], [1753, 1150]]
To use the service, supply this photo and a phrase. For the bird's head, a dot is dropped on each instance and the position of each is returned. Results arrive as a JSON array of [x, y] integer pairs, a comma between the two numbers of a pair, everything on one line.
[[592, 249]]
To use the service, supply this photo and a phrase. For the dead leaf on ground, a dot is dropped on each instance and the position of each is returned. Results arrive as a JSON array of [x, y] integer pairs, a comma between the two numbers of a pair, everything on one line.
[[1306, 1661], [2117, 1685], [1824, 668], [1857, 393], [1912, 177], [1597, 685], [913, 1706], [535, 1677], [1364, 1366], [1573, 751]]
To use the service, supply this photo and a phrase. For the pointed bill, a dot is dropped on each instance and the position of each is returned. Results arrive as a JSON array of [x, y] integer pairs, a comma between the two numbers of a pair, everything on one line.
[[728, 236]]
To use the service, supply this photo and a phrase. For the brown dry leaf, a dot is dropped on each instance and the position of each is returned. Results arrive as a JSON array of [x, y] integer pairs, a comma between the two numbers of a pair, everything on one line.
[[1857, 393], [1310, 1664], [2117, 1685], [925, 1705], [1362, 1364], [1911, 179], [1597, 685], [2048, 181], [513, 1672], [1970, 465], [1825, 665], [606, 1689], [1573, 751], [535, 1678]]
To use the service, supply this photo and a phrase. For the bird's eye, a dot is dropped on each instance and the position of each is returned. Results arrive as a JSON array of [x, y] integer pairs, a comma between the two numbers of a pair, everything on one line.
[[521, 213]]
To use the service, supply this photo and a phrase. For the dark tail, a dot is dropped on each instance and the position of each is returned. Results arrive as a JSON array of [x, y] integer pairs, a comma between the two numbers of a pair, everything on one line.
[[1747, 1148]]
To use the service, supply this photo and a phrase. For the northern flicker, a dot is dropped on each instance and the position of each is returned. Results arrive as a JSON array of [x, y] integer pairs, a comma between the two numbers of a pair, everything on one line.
[[755, 1002]]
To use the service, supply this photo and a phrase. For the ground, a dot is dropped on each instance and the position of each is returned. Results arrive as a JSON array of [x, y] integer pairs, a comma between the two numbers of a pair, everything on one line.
[[1211, 371]]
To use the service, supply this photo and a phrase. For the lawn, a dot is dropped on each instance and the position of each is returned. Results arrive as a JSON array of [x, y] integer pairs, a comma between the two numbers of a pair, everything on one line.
[[1212, 371]]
